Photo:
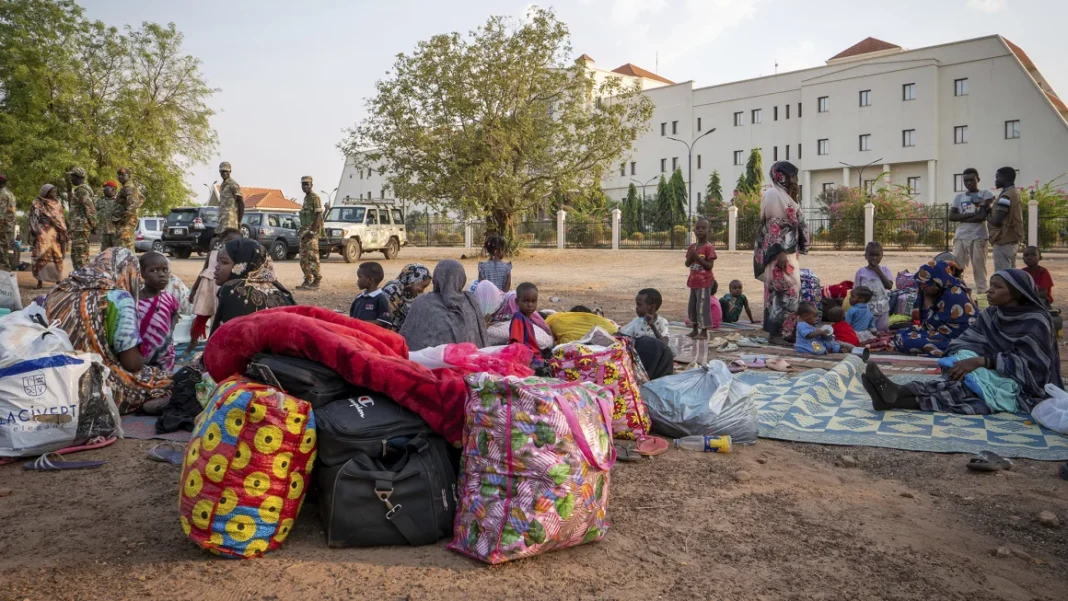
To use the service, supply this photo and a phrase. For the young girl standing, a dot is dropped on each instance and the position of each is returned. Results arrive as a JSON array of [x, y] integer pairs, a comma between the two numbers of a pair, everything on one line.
[[157, 311], [699, 258], [496, 270]]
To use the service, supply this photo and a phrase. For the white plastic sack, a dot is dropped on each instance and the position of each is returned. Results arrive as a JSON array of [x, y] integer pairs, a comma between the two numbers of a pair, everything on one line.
[[705, 401], [39, 404], [182, 329], [23, 335], [9, 291], [1053, 412]]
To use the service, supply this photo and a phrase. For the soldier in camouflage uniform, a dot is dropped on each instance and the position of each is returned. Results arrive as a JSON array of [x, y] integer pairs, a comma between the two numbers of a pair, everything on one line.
[[104, 207], [124, 213], [231, 201], [82, 218], [311, 229], [8, 260]]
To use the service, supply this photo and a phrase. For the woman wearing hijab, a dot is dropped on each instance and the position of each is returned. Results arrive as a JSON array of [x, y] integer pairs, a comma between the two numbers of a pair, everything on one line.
[[401, 292], [97, 307], [944, 307], [1001, 363], [782, 236], [245, 276], [49, 230], [448, 315]]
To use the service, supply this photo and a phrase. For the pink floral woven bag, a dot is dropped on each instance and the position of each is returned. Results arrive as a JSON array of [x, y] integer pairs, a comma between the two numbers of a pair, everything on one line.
[[613, 368], [536, 461]]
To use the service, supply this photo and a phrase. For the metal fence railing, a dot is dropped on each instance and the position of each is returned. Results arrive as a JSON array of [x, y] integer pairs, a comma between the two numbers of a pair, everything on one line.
[[1052, 232], [930, 229], [430, 233], [538, 234], [835, 233], [593, 233]]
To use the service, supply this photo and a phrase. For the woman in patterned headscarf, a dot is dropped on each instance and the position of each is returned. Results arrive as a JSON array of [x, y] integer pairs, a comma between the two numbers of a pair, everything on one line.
[[782, 237], [97, 307], [245, 276], [49, 230], [400, 293], [944, 306]]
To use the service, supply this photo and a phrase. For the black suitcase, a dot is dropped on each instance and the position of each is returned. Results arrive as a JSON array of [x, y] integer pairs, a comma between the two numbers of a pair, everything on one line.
[[363, 423], [407, 497], [302, 378]]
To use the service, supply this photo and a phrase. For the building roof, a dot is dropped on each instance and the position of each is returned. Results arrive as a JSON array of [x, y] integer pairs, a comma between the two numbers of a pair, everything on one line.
[[1057, 102], [267, 199], [865, 46], [636, 71], [1020, 54], [587, 58]]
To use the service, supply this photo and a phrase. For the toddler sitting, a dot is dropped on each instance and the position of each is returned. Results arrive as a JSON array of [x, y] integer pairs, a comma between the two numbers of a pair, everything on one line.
[[813, 339]]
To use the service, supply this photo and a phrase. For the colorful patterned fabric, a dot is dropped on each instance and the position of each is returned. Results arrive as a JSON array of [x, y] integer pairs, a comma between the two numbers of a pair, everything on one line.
[[155, 316], [944, 320], [614, 369], [782, 230], [400, 294], [246, 469], [536, 461]]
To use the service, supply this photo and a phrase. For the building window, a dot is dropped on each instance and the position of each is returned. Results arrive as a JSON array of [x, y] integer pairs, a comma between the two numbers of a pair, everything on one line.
[[674, 163], [698, 124], [799, 151], [775, 113], [674, 127], [865, 98], [1012, 129], [757, 116], [739, 119], [623, 170], [698, 161], [865, 142], [663, 165], [799, 112], [663, 129], [821, 147], [908, 138], [738, 157], [788, 111], [958, 182], [775, 153], [828, 187], [908, 91], [822, 104], [361, 173], [960, 87], [914, 185], [960, 134], [383, 193], [787, 152], [633, 166]]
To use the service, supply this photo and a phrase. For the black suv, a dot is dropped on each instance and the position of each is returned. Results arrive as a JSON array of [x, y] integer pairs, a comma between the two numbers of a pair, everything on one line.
[[189, 230], [275, 230]]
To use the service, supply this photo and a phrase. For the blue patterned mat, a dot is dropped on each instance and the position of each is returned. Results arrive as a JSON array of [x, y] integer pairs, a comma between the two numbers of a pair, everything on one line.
[[831, 407]]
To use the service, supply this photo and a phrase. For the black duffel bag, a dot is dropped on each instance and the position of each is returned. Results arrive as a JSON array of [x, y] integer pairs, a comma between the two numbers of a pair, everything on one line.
[[301, 378], [405, 497], [364, 423]]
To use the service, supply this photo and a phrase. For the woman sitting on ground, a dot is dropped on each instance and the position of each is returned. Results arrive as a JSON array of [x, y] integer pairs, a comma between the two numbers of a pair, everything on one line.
[[245, 276], [945, 308], [97, 307], [448, 315], [403, 291], [1002, 363]]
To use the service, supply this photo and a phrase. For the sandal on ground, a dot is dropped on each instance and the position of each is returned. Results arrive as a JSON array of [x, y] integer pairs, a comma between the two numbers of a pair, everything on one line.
[[747, 342], [726, 347], [651, 446], [166, 452], [52, 462], [626, 453], [778, 364], [737, 366], [988, 461]]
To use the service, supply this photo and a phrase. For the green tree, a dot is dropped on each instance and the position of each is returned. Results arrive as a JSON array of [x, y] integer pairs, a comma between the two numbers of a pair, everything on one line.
[[632, 210], [714, 191], [493, 123], [677, 187], [754, 172], [742, 186], [664, 217]]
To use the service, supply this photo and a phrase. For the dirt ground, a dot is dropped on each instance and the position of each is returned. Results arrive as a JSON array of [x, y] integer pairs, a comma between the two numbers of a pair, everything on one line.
[[901, 525]]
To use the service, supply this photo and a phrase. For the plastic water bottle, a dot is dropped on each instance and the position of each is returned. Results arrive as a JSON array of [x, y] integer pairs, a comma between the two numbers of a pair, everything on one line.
[[706, 444]]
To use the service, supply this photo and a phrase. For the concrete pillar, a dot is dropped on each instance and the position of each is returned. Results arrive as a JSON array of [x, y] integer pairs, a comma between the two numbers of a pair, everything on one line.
[[886, 174], [617, 215], [561, 233], [1032, 222], [932, 182], [732, 227], [846, 179], [869, 223], [468, 235], [806, 189]]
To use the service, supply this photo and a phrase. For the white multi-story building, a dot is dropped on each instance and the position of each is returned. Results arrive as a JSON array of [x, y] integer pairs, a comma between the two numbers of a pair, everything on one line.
[[922, 116]]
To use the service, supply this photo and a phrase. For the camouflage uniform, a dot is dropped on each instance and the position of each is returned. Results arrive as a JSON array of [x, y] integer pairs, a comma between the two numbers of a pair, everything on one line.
[[124, 214], [80, 222], [229, 192], [7, 230], [309, 237], [104, 226]]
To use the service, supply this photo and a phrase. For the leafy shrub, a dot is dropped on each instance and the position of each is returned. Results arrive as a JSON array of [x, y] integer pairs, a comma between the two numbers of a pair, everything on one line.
[[906, 239], [637, 237], [680, 235], [417, 238]]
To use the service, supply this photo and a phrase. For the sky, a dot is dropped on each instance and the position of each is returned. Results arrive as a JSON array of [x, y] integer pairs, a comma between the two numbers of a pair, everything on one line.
[[293, 75]]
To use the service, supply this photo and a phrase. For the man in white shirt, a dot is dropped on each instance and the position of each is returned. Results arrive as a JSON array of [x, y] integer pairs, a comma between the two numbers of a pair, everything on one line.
[[970, 210]]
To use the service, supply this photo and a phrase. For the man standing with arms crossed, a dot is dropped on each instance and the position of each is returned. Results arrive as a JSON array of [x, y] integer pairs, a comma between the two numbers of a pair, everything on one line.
[[124, 214], [970, 210], [81, 220], [311, 228], [8, 260], [1006, 220]]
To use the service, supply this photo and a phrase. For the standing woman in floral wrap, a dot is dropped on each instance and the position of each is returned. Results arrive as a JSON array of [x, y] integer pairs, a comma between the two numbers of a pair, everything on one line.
[[783, 235], [49, 230]]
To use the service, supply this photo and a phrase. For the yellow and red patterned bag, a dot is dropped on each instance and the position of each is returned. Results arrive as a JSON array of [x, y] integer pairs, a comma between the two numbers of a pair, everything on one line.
[[246, 468], [612, 368]]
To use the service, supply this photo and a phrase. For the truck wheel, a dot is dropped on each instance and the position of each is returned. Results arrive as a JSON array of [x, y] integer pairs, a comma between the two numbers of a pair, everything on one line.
[[279, 250], [183, 253], [352, 251], [391, 249]]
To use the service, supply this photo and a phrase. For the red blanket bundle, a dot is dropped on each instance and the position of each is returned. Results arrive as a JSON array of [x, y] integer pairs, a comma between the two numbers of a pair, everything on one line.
[[364, 354]]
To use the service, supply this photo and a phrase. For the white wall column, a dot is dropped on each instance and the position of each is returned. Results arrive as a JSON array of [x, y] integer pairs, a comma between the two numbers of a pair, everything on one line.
[[806, 192], [561, 233], [616, 216], [1032, 222], [846, 180], [932, 182], [886, 170], [869, 223], [732, 227]]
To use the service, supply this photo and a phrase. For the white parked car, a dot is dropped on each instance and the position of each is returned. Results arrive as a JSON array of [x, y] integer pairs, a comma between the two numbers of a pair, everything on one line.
[[149, 235]]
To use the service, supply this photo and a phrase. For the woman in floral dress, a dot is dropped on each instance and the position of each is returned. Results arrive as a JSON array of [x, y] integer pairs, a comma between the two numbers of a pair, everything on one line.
[[782, 237]]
